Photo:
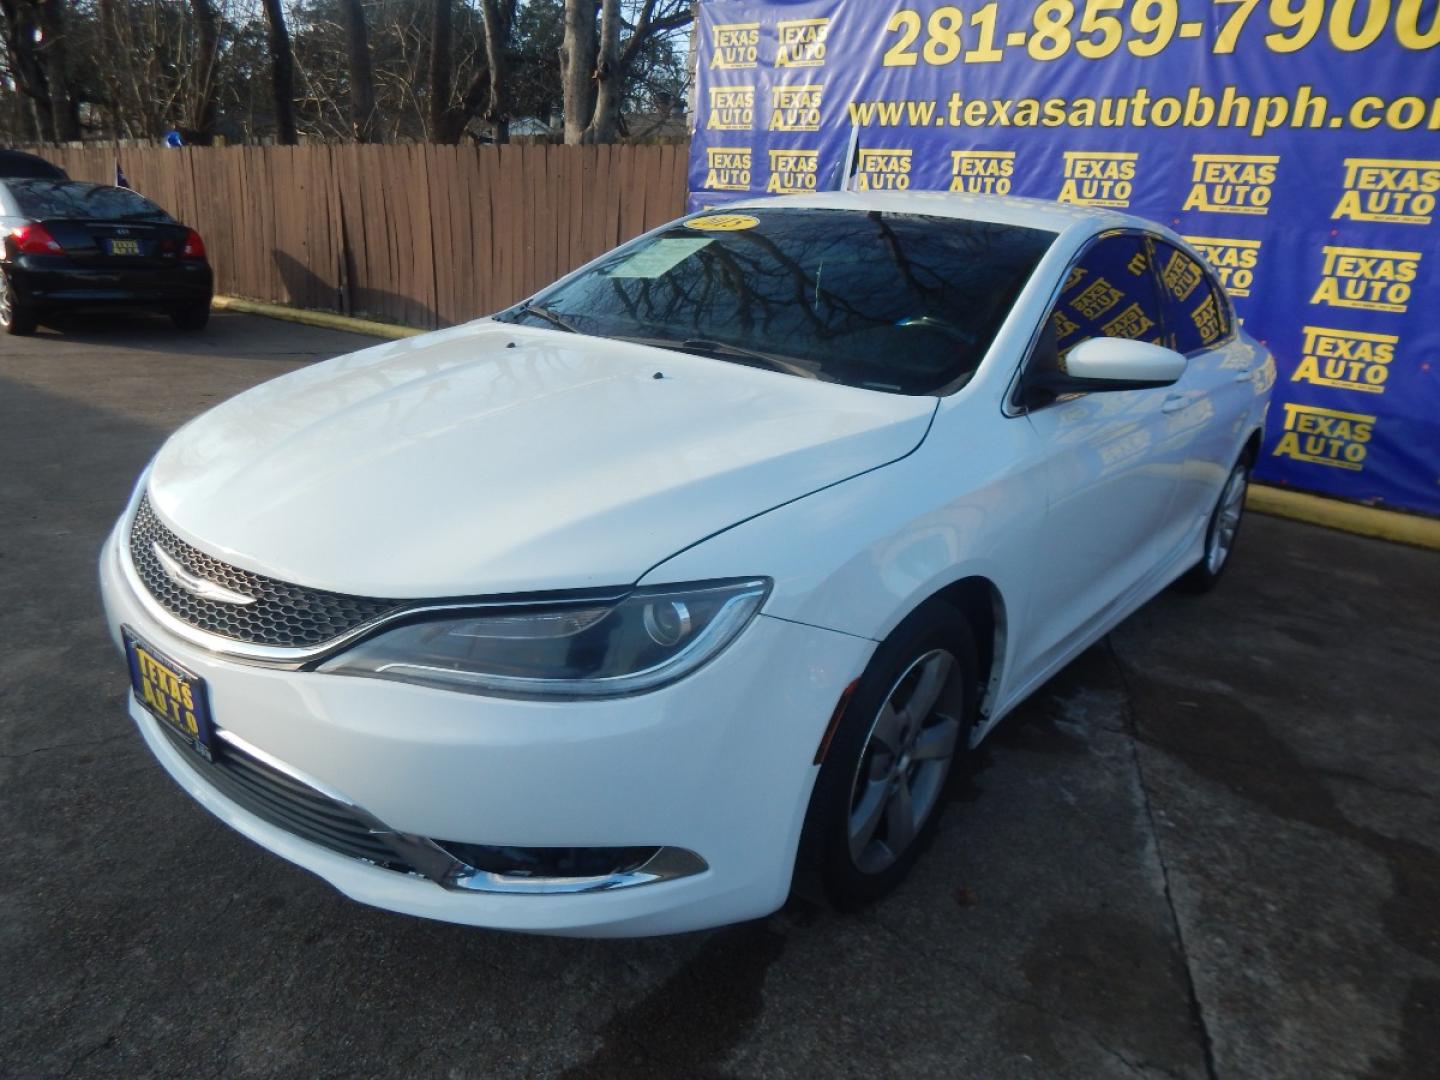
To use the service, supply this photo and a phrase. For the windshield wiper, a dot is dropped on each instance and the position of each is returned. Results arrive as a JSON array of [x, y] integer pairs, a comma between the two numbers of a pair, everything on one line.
[[722, 351], [542, 312]]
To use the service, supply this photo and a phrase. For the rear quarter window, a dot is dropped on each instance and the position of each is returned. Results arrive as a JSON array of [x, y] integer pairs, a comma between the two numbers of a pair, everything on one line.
[[72, 199]]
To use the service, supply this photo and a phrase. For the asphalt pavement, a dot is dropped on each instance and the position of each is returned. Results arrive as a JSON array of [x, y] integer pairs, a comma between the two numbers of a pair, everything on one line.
[[1209, 847]]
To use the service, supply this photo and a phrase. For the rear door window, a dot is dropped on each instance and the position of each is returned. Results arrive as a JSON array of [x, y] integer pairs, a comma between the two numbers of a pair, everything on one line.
[[1197, 315]]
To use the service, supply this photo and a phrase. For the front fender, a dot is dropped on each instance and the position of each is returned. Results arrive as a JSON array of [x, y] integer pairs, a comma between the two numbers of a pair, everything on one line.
[[861, 555]]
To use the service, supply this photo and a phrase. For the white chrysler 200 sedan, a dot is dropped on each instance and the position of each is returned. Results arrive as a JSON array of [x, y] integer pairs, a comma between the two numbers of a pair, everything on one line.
[[692, 577]]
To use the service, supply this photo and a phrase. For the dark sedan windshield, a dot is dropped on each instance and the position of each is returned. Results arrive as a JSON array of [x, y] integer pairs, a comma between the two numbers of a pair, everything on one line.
[[75, 199], [896, 302]]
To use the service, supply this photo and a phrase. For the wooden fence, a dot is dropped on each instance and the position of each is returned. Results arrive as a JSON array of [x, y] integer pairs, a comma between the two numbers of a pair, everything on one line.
[[422, 235]]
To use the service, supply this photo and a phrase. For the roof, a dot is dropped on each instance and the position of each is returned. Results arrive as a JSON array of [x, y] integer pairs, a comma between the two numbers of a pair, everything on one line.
[[18, 163], [48, 183], [1001, 209]]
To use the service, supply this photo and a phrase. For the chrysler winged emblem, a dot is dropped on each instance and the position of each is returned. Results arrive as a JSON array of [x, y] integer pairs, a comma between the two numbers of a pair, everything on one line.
[[194, 584]]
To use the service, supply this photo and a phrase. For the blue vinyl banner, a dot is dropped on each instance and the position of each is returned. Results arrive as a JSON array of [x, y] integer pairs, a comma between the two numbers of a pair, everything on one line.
[[1295, 143]]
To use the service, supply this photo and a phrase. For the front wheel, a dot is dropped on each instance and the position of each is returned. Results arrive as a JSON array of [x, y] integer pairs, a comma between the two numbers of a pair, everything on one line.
[[880, 790], [1222, 532], [15, 318]]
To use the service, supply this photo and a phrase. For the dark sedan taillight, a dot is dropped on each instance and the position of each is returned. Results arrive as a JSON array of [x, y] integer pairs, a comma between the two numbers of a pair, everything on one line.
[[35, 240], [194, 247]]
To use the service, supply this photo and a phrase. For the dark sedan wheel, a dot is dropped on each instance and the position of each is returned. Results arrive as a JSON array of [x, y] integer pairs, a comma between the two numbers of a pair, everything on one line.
[[191, 317], [15, 318], [880, 790]]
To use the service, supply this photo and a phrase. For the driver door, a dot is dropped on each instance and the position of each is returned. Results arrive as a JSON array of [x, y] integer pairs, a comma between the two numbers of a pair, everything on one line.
[[1110, 470]]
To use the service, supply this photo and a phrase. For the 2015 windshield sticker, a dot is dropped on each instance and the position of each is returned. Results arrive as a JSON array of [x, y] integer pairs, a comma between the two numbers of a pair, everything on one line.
[[723, 222], [659, 258]]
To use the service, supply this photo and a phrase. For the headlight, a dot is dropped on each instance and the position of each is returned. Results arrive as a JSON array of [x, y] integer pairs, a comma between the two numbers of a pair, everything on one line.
[[652, 637]]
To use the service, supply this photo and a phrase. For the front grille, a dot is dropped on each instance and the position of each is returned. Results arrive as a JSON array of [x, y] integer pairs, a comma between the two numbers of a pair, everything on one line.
[[283, 615], [288, 804]]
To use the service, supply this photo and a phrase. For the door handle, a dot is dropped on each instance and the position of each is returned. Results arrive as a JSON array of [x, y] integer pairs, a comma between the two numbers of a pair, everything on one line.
[[1175, 402], [1245, 376]]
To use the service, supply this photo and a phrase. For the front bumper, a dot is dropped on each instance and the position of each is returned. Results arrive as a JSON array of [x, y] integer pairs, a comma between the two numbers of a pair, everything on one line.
[[719, 764]]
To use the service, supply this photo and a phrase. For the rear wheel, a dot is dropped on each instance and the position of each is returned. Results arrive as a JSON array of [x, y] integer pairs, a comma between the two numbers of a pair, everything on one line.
[[1222, 532], [192, 316], [15, 318], [880, 790]]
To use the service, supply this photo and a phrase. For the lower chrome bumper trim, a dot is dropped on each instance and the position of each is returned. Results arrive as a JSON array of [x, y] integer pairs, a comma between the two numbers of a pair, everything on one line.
[[428, 859]]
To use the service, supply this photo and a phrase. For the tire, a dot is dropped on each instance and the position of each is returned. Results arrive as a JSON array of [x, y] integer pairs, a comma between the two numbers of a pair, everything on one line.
[[859, 842], [1222, 531], [191, 317], [15, 318]]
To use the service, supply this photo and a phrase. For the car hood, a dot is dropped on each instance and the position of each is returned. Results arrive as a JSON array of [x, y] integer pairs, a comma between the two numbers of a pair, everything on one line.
[[493, 458]]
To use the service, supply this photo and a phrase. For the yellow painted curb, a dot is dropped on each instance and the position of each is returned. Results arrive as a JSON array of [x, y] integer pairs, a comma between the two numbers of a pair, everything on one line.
[[1347, 517], [324, 319]]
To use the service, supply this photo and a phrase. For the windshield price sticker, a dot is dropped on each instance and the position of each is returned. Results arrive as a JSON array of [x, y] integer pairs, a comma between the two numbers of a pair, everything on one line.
[[659, 258]]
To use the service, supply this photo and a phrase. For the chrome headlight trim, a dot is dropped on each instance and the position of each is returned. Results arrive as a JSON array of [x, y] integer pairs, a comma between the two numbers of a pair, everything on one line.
[[401, 654]]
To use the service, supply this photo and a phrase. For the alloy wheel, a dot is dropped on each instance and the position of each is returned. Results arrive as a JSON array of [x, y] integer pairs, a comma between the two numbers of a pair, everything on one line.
[[7, 302], [904, 762], [1227, 519]]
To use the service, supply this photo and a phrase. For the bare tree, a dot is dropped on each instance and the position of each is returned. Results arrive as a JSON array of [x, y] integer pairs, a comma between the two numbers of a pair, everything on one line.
[[202, 74], [441, 44], [282, 73], [362, 79], [499, 20], [596, 73], [577, 59], [609, 87], [369, 70], [21, 29], [64, 109], [151, 77], [485, 92]]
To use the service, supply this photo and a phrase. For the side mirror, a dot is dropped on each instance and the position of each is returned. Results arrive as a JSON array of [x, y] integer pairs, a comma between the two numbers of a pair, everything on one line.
[[1102, 364]]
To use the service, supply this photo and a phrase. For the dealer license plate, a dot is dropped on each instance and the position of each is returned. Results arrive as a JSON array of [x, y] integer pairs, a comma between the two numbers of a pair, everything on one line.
[[174, 696], [124, 247]]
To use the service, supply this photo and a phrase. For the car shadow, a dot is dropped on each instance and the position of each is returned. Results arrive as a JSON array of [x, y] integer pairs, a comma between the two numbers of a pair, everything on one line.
[[228, 334]]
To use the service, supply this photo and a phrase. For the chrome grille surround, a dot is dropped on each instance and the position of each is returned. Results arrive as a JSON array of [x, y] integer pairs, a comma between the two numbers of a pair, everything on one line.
[[282, 616]]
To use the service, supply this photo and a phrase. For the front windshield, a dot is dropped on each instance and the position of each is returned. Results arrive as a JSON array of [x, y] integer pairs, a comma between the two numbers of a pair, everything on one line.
[[903, 303]]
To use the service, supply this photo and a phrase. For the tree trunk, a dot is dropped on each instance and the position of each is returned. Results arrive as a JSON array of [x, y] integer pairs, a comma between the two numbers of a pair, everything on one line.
[[362, 80], [609, 82], [440, 70], [282, 74], [498, 21], [202, 108], [692, 64], [452, 124], [577, 62], [64, 110]]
